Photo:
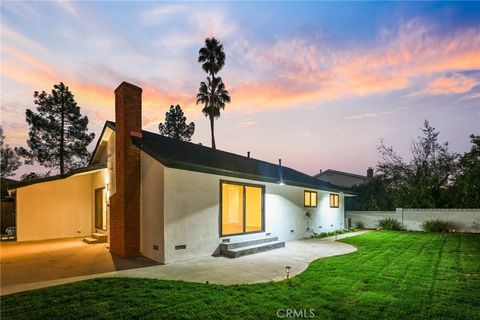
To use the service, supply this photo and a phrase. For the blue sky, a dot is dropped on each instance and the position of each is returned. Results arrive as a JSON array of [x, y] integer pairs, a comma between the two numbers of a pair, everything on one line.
[[317, 84]]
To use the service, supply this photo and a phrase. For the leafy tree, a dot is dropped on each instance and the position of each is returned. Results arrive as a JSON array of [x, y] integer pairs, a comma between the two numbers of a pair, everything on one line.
[[212, 93], [424, 181], [421, 182], [176, 126], [58, 136], [466, 191], [375, 194], [33, 175], [9, 160]]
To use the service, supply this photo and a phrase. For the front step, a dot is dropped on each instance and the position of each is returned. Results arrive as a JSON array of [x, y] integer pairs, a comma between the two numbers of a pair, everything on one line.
[[101, 237], [239, 249], [96, 238], [90, 240]]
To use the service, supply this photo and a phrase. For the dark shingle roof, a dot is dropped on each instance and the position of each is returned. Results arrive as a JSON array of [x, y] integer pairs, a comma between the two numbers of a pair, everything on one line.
[[189, 156]]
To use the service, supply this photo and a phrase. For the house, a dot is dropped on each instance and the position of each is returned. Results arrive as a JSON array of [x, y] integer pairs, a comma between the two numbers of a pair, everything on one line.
[[171, 200], [343, 179]]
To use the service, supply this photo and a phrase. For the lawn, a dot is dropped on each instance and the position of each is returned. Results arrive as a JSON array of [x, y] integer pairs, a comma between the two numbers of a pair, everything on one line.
[[393, 275]]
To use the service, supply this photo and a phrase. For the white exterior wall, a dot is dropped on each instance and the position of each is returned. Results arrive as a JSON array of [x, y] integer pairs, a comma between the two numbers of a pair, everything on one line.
[[55, 209], [192, 210], [462, 220], [151, 208]]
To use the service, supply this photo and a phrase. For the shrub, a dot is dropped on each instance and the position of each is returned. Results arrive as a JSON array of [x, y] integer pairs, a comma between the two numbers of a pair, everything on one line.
[[389, 224], [435, 225], [359, 225], [338, 231], [346, 230], [331, 233]]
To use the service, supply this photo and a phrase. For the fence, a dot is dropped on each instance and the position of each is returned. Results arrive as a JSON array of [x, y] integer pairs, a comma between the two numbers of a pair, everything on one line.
[[462, 220]]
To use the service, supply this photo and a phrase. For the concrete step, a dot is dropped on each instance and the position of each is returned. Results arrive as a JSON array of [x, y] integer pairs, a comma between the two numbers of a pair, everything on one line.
[[256, 248], [246, 243], [90, 240], [101, 237]]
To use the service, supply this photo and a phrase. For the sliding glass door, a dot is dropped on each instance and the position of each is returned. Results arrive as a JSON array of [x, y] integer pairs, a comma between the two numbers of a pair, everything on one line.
[[242, 209]]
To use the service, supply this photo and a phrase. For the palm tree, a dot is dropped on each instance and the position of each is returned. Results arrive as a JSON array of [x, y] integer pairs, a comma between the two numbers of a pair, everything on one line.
[[213, 95], [212, 56]]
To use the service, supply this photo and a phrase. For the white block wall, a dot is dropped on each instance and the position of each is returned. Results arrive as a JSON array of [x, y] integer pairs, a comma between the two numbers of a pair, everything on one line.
[[462, 220]]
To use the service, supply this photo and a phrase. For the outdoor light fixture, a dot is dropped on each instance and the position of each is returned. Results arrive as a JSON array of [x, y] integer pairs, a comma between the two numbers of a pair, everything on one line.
[[287, 270], [280, 173]]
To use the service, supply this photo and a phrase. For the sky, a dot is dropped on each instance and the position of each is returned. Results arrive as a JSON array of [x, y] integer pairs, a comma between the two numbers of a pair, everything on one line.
[[317, 84]]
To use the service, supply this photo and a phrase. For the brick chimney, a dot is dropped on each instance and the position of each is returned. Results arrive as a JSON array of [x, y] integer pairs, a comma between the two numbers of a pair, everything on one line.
[[125, 203]]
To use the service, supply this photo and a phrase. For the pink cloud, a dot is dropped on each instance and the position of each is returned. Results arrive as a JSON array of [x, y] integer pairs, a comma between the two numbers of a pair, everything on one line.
[[454, 84]]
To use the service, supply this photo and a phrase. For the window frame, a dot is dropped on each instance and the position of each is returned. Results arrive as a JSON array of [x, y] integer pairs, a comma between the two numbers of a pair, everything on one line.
[[244, 184], [334, 195], [305, 192]]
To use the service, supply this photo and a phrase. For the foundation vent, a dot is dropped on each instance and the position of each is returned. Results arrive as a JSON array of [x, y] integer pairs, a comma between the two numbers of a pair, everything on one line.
[[181, 247]]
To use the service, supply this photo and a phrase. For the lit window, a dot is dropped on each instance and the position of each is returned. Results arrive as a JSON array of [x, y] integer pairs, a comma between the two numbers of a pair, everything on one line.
[[310, 199], [242, 208], [334, 200]]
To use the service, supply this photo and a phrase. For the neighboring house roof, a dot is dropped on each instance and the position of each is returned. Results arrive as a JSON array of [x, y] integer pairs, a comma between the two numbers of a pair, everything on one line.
[[24, 183], [339, 173]]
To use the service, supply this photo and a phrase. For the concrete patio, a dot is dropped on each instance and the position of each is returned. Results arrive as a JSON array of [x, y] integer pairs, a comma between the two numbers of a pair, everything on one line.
[[261, 267]]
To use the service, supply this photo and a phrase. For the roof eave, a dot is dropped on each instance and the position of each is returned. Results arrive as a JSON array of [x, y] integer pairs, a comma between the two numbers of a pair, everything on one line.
[[27, 183]]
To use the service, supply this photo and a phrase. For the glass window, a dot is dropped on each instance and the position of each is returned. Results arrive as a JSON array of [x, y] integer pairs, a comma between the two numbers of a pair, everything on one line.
[[253, 209], [242, 208], [310, 198], [232, 208], [334, 200]]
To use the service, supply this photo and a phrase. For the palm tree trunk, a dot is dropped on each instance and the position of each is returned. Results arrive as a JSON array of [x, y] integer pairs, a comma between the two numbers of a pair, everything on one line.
[[212, 119], [212, 130]]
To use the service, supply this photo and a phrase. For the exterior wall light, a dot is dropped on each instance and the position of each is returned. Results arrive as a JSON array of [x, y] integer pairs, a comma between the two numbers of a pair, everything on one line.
[[280, 173], [287, 270]]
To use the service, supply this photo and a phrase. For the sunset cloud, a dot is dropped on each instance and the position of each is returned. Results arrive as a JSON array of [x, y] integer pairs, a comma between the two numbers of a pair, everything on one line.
[[452, 84], [310, 65]]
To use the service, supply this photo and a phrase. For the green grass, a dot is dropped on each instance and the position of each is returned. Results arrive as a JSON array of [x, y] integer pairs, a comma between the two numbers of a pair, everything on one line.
[[393, 275]]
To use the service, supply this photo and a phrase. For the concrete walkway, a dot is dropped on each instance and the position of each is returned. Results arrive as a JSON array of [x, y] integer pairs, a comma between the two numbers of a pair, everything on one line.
[[261, 267]]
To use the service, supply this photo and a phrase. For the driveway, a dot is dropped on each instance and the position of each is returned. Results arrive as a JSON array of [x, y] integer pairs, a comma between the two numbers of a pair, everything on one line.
[[261, 267]]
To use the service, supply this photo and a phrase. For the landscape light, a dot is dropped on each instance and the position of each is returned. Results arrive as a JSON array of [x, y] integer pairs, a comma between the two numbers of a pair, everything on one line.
[[287, 270]]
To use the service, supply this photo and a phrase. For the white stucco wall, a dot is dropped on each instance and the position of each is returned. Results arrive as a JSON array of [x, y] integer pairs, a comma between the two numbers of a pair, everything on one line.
[[191, 213], [55, 209], [151, 207]]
